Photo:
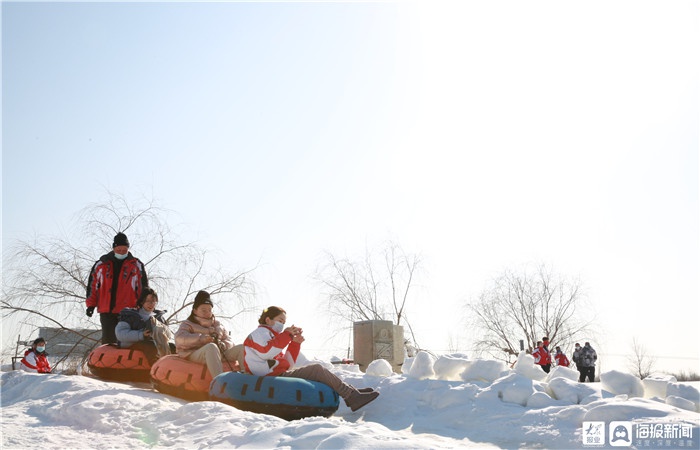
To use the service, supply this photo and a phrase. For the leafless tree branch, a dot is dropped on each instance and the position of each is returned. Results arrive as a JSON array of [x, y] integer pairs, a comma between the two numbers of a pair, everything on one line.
[[527, 307]]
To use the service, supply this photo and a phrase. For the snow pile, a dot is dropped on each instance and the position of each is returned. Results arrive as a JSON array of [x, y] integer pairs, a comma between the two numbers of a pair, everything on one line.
[[683, 396], [449, 367], [620, 383], [445, 402], [656, 385]]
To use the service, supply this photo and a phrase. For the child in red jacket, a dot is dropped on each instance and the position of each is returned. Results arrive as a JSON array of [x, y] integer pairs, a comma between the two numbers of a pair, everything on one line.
[[561, 358], [35, 359]]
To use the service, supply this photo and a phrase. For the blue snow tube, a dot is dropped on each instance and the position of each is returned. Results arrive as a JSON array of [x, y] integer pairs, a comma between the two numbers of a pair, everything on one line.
[[285, 397]]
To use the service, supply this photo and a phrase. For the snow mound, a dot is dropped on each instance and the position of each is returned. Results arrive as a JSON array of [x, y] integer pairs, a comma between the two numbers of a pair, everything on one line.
[[563, 372], [620, 383], [380, 368], [487, 370], [525, 365], [655, 385], [513, 388], [685, 391], [569, 391], [422, 366], [449, 367]]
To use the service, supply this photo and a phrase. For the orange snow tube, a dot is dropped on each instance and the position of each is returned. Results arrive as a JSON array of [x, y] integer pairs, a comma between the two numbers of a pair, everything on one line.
[[121, 364], [182, 378]]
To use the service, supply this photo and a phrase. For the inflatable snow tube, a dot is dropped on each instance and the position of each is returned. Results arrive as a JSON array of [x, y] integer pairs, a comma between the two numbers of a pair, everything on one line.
[[285, 397], [119, 364], [182, 378]]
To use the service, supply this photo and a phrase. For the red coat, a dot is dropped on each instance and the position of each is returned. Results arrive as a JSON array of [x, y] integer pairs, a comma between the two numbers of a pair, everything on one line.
[[562, 360], [131, 281], [542, 356], [35, 362]]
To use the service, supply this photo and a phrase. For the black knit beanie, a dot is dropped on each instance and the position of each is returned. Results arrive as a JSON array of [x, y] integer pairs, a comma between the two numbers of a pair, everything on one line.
[[120, 239], [202, 298]]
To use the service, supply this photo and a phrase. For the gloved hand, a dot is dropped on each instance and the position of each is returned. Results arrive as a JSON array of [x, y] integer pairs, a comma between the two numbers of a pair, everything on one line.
[[89, 311]]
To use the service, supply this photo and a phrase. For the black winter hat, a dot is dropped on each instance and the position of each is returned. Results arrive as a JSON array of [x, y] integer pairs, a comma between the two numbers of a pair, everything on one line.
[[202, 298], [120, 239], [39, 339]]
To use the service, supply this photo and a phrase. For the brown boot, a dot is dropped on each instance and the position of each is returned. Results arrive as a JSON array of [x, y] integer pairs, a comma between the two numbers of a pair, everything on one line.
[[365, 390], [357, 399]]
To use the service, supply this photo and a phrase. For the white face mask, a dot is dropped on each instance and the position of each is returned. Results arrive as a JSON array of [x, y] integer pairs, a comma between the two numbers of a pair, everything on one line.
[[40, 349], [277, 326], [121, 257]]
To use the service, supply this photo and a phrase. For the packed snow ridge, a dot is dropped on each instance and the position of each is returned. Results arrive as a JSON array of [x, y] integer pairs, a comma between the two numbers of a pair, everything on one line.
[[446, 402]]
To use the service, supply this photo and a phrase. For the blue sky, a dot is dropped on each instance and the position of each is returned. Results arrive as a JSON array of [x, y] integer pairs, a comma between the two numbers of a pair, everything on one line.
[[483, 136]]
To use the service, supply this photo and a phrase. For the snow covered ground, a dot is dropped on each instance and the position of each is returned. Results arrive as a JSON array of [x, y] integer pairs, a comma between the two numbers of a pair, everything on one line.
[[451, 402]]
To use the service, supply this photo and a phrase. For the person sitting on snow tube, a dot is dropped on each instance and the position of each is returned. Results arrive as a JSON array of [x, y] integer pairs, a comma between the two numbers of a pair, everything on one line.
[[263, 355], [143, 328], [35, 359], [202, 339]]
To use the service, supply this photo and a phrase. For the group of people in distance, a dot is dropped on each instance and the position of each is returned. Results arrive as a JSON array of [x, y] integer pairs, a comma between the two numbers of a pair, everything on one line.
[[118, 289], [584, 357]]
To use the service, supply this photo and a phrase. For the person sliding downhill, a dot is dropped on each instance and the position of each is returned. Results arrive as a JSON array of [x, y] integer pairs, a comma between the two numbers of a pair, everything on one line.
[[264, 354]]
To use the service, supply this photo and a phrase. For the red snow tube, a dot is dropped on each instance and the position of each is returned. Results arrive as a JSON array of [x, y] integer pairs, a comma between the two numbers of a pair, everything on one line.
[[182, 378], [121, 364]]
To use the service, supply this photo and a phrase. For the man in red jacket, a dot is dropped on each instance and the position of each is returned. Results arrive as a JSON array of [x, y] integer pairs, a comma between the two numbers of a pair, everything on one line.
[[542, 356], [116, 281]]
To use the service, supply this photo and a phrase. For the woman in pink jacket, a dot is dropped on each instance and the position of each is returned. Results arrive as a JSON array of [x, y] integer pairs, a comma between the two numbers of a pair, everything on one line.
[[201, 338]]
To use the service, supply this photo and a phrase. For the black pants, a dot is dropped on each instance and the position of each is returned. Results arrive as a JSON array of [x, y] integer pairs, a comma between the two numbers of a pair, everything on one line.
[[587, 372], [149, 349], [546, 367], [109, 323]]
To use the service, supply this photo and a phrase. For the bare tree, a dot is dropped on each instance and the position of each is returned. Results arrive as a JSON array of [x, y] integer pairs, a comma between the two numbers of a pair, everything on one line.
[[640, 362], [45, 279], [527, 307], [375, 287]]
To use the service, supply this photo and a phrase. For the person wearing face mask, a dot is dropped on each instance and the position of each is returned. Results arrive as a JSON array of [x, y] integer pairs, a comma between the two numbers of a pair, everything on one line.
[[116, 282], [264, 354], [542, 356], [35, 359], [588, 358], [202, 339]]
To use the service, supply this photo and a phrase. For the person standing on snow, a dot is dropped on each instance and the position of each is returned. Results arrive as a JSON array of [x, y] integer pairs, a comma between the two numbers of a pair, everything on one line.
[[576, 357], [561, 358], [116, 281], [588, 359], [542, 356], [35, 359]]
